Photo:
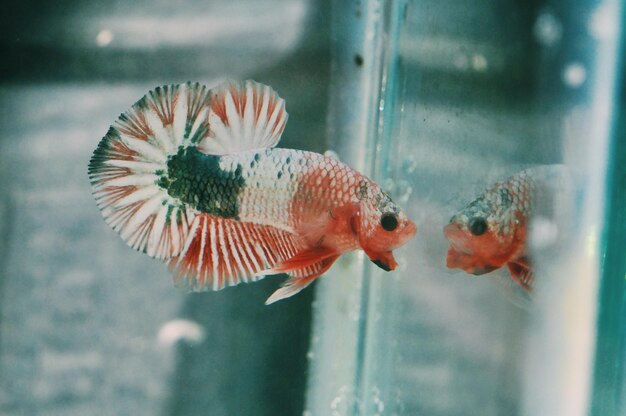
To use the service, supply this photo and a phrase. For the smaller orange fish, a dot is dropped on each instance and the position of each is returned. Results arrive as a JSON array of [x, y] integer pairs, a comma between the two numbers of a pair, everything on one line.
[[491, 231]]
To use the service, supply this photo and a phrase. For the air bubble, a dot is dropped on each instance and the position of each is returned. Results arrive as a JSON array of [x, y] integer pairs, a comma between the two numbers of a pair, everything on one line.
[[548, 30], [377, 403], [574, 75], [342, 403], [104, 38], [409, 165], [403, 191]]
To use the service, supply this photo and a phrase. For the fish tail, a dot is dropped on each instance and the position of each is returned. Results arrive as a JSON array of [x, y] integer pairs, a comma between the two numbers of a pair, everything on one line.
[[128, 167]]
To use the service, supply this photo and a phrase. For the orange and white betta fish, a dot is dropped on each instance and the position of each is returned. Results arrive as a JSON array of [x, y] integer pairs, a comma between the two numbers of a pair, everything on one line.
[[492, 230], [191, 176]]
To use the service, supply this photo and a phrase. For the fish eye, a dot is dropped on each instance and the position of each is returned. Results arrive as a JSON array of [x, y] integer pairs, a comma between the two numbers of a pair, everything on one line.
[[389, 221], [478, 226]]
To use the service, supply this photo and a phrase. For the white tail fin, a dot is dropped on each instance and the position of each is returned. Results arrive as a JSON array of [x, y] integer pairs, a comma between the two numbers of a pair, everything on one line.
[[128, 170]]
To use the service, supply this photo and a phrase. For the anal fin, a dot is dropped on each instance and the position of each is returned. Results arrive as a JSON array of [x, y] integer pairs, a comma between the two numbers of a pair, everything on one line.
[[223, 252], [301, 278]]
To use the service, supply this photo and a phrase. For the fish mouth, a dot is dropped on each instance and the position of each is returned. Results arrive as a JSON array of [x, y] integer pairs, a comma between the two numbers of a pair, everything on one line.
[[467, 262], [478, 270], [460, 255], [382, 265], [410, 230], [457, 239]]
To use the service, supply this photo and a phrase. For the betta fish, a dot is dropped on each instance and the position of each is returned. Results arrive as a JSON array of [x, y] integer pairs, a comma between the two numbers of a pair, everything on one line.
[[492, 230], [191, 176]]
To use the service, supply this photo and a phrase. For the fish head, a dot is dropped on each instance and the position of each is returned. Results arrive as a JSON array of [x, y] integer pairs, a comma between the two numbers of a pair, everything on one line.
[[382, 227], [488, 232]]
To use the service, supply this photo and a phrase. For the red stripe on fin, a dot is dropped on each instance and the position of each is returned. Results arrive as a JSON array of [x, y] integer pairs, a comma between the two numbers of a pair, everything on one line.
[[301, 278], [244, 116], [162, 101], [223, 252]]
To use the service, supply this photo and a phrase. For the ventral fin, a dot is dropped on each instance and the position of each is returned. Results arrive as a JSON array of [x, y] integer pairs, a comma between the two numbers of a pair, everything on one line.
[[302, 260], [243, 116], [522, 273], [223, 252], [301, 278]]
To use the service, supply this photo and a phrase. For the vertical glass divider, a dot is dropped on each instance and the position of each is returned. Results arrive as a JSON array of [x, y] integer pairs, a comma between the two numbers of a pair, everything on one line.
[[363, 70]]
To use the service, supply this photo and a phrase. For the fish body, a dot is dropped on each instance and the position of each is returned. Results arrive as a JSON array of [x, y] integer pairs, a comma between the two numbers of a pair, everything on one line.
[[491, 231], [190, 175]]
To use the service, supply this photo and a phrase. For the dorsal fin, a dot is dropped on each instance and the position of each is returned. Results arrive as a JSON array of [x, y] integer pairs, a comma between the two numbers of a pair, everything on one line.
[[243, 116]]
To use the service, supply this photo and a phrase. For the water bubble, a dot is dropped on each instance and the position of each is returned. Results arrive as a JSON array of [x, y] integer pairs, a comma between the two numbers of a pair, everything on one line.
[[403, 191], [342, 403], [547, 30], [574, 75], [377, 403], [409, 164], [389, 185]]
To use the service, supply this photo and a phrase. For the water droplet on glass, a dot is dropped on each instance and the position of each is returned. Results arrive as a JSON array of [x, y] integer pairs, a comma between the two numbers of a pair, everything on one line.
[[389, 185], [377, 403], [548, 30], [342, 402], [409, 165], [403, 191]]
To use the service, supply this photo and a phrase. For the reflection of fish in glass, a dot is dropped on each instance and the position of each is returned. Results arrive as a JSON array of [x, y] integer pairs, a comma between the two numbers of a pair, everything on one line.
[[190, 176], [491, 231]]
